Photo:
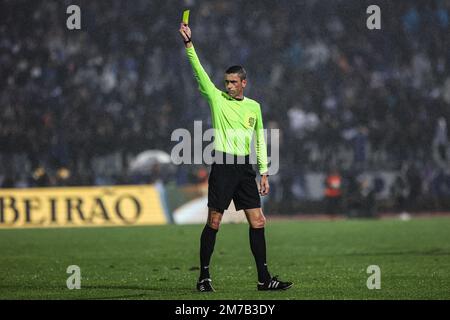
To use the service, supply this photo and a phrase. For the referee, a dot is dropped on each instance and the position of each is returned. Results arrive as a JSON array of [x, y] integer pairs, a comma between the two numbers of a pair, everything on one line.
[[235, 118]]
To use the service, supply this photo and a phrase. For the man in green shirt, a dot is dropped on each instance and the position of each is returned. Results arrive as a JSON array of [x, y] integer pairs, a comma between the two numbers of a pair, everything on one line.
[[235, 118]]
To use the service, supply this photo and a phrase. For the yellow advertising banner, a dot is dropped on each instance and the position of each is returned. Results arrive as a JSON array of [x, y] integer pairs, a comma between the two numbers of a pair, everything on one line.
[[81, 207]]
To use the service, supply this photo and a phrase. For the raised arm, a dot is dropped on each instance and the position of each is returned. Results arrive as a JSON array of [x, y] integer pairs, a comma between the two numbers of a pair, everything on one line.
[[206, 86]]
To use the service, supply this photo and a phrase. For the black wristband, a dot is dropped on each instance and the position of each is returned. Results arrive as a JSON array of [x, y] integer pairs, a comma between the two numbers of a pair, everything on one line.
[[189, 40]]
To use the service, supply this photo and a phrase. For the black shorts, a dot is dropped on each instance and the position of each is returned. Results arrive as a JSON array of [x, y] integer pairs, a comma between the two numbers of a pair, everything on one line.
[[235, 182]]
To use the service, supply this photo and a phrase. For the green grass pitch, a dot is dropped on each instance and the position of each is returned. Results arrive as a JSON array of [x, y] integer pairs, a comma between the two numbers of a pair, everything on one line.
[[325, 259]]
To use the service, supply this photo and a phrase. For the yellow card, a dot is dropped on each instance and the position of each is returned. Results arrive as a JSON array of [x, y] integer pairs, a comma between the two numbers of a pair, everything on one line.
[[186, 17]]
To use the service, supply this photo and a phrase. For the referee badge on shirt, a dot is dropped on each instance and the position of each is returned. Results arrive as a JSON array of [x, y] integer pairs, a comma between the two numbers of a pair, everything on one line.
[[250, 120]]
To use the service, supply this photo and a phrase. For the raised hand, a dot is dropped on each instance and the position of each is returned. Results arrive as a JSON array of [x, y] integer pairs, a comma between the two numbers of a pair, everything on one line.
[[186, 34]]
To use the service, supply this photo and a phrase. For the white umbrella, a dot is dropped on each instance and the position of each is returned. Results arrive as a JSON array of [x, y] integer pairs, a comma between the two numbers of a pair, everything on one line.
[[145, 160]]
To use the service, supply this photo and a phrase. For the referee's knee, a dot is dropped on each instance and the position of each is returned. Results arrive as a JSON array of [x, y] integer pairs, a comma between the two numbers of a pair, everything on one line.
[[214, 219], [214, 224], [259, 222]]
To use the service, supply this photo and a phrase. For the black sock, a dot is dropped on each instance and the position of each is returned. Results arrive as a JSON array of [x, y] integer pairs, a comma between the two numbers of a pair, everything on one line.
[[258, 246], [207, 241]]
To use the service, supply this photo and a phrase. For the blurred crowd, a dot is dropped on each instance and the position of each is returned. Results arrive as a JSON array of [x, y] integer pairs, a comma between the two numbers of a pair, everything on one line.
[[341, 95]]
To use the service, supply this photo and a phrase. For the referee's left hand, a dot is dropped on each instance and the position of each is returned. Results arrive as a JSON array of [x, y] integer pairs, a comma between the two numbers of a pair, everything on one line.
[[264, 186]]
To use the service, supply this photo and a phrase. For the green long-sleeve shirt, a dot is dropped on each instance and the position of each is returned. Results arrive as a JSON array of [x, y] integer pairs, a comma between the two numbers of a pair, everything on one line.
[[234, 121]]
